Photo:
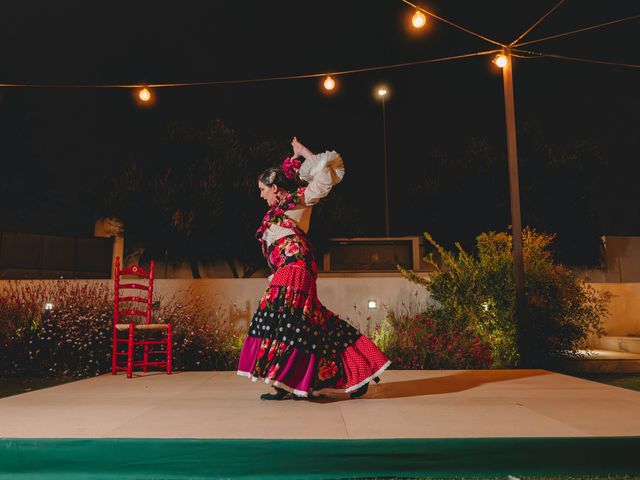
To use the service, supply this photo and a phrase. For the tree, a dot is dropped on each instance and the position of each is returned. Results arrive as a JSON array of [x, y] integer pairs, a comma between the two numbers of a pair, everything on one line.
[[561, 191], [195, 201]]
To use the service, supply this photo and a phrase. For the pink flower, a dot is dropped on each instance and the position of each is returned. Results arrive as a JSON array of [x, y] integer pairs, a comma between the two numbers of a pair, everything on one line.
[[275, 255], [290, 167], [287, 223], [291, 249], [273, 294]]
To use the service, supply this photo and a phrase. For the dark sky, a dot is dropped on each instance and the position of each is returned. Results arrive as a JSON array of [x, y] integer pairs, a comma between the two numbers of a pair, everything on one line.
[[69, 140]]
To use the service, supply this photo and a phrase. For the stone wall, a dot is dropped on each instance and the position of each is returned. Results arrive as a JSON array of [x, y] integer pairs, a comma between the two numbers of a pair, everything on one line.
[[237, 299]]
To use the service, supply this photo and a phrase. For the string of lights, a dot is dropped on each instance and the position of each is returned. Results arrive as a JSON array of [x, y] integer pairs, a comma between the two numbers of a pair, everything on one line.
[[255, 80], [531, 54], [419, 21], [528, 30], [585, 29], [329, 83]]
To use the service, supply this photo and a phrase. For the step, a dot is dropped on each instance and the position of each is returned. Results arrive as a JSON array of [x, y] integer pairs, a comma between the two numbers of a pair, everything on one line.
[[620, 343], [604, 361]]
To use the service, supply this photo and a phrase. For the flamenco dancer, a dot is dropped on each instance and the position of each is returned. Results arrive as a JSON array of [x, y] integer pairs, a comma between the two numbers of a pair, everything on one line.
[[295, 343]]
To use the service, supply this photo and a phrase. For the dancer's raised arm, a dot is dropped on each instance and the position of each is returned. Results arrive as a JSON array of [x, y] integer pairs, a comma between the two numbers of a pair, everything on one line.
[[322, 171]]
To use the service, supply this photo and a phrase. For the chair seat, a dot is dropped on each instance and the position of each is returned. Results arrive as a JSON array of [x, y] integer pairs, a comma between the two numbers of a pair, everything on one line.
[[143, 326]]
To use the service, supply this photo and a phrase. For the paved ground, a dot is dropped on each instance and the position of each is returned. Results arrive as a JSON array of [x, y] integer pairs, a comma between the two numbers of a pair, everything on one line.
[[407, 404]]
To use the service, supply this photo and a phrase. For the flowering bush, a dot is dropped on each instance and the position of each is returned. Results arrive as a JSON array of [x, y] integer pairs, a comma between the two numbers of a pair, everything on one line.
[[57, 328], [476, 294], [415, 342], [201, 341], [72, 338]]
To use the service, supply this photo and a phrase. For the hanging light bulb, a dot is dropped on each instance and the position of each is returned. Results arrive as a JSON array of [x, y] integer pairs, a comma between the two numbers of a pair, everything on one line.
[[382, 92], [419, 19], [501, 60], [329, 83], [144, 94]]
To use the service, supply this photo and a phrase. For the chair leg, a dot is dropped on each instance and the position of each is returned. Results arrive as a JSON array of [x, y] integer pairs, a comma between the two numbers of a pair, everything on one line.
[[145, 366], [130, 351], [114, 353], [169, 348]]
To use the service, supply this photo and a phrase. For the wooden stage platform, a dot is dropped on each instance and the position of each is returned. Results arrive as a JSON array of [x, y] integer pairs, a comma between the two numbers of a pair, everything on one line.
[[543, 421]]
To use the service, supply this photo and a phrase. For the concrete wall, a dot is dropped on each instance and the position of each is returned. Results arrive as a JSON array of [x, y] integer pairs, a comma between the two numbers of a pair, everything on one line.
[[624, 309], [348, 297], [237, 299]]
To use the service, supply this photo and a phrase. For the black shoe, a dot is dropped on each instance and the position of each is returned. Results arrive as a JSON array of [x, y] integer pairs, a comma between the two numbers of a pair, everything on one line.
[[279, 395], [360, 392]]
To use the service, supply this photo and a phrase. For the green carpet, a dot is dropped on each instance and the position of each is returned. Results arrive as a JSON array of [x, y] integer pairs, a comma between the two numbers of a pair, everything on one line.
[[207, 458]]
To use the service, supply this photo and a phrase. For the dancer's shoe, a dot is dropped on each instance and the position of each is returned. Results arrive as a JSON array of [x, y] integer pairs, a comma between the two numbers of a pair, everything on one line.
[[279, 395], [360, 392]]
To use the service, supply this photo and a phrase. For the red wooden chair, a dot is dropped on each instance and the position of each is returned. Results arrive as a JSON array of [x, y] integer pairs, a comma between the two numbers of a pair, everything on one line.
[[151, 346]]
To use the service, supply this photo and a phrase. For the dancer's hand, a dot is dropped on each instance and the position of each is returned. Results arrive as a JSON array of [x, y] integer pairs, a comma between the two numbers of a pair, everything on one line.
[[299, 150]]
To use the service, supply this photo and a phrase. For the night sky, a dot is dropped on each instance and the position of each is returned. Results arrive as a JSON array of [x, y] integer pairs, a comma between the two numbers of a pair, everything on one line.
[[58, 146]]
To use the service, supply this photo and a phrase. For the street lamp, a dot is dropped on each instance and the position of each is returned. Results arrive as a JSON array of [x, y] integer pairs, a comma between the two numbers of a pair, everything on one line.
[[501, 60], [382, 93], [504, 61]]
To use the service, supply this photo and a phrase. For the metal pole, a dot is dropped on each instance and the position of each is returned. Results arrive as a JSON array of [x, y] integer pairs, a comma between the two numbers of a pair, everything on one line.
[[386, 185], [514, 190]]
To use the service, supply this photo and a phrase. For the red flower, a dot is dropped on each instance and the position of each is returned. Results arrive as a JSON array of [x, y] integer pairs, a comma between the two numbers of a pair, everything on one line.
[[272, 351], [263, 347], [273, 370], [327, 371]]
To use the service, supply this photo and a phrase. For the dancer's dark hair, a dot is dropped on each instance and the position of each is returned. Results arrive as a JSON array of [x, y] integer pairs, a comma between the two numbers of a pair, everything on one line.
[[275, 176]]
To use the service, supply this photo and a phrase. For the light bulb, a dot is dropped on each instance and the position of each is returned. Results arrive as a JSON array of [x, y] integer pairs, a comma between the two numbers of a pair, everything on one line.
[[329, 83], [382, 91], [501, 60], [419, 19], [144, 95]]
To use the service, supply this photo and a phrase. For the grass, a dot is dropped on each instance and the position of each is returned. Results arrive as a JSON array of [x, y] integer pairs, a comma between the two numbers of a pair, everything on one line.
[[630, 381], [15, 385]]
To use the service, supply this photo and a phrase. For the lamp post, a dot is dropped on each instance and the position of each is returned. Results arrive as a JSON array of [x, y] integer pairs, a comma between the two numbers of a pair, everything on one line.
[[382, 95], [504, 61]]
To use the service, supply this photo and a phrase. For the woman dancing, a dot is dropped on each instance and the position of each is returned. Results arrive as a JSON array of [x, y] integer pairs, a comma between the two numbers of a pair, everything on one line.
[[294, 343]]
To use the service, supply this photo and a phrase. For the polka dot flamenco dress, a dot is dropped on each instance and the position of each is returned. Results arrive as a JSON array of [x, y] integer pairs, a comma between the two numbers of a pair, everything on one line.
[[294, 342]]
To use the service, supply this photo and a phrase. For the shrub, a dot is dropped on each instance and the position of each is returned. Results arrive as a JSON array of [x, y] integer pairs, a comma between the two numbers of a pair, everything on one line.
[[415, 342], [201, 340], [73, 338], [476, 294]]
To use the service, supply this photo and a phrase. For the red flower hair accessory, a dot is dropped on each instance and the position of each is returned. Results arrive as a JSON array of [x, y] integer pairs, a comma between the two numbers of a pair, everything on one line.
[[290, 166]]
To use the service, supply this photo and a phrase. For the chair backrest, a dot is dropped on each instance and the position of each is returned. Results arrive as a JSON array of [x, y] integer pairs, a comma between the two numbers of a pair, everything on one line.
[[141, 273]]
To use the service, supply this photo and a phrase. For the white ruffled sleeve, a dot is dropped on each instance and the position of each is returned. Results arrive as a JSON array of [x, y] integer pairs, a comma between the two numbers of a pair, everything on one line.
[[322, 172]]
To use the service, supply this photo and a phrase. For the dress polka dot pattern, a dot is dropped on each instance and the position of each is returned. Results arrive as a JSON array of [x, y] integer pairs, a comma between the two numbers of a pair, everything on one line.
[[296, 343], [362, 361]]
